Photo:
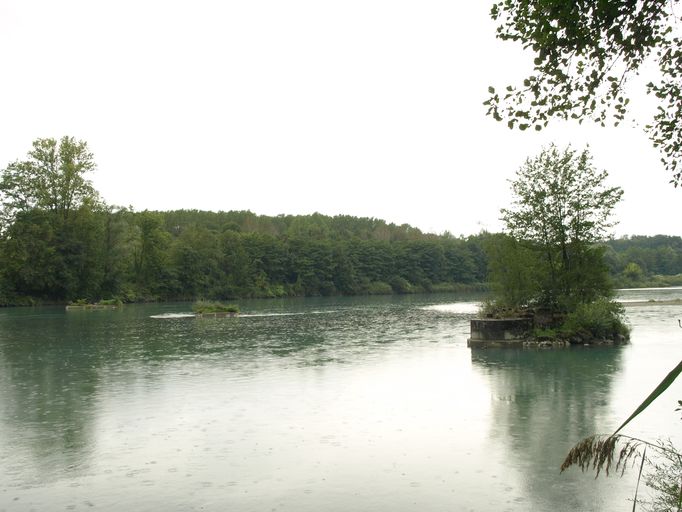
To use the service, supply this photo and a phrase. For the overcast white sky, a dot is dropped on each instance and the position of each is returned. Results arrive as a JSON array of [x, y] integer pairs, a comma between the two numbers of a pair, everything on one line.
[[368, 108]]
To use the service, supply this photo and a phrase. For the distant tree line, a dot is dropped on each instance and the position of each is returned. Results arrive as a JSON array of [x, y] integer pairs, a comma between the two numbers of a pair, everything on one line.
[[182, 255], [645, 260], [60, 242]]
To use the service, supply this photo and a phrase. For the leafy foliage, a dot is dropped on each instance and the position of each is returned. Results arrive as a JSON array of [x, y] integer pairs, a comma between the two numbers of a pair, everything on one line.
[[515, 272], [52, 178], [560, 198], [600, 319], [202, 307], [560, 209], [110, 302], [664, 478], [645, 261], [585, 53]]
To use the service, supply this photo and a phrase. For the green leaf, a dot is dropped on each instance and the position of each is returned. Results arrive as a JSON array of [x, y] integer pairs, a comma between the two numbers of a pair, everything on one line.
[[665, 384], [491, 89]]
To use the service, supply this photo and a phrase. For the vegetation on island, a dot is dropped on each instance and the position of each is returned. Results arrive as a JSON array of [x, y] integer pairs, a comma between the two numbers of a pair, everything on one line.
[[202, 307], [549, 263], [102, 302]]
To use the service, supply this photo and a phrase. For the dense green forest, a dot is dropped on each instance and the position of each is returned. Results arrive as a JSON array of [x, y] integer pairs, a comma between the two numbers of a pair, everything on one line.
[[189, 254], [645, 260], [60, 242], [102, 252]]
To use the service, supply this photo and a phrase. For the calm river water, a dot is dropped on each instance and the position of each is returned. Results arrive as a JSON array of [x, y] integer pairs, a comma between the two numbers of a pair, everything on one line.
[[343, 404]]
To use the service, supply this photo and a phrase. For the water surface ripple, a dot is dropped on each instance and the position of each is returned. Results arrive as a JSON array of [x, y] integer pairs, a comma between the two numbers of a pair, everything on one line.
[[308, 405]]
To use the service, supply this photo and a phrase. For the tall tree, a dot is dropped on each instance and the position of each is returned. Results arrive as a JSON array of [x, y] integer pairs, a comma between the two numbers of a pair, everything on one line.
[[585, 53], [51, 228], [560, 208], [52, 178]]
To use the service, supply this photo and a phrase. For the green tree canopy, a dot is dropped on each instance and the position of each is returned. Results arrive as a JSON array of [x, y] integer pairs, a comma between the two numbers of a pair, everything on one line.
[[51, 178], [585, 53], [559, 198], [560, 208]]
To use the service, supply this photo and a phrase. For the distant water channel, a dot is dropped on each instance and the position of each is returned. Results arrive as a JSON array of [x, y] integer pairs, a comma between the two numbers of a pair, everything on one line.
[[341, 404]]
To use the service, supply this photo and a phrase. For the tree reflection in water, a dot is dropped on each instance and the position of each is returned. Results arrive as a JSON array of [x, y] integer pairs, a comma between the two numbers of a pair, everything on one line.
[[542, 402]]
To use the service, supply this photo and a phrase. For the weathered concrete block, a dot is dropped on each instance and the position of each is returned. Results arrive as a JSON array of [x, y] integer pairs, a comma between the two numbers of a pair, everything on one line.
[[495, 332]]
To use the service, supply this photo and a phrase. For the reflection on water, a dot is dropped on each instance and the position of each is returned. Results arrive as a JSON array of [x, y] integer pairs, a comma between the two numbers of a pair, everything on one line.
[[321, 404], [543, 401]]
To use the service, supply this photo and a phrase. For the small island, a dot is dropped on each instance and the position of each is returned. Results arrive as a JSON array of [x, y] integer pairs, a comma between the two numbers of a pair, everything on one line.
[[599, 323], [214, 309], [550, 282]]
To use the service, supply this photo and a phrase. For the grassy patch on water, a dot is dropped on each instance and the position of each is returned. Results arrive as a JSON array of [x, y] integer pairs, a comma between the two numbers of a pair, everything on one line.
[[202, 307]]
